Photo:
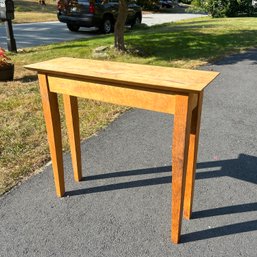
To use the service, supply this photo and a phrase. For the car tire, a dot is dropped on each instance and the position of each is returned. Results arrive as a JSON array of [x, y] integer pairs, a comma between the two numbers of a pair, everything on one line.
[[72, 27], [137, 20], [107, 25]]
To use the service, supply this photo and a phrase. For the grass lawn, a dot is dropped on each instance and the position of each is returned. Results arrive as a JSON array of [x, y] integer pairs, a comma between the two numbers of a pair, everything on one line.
[[31, 11], [187, 44]]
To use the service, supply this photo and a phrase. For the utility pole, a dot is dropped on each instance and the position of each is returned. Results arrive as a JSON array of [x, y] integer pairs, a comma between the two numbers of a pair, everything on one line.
[[7, 15], [11, 43]]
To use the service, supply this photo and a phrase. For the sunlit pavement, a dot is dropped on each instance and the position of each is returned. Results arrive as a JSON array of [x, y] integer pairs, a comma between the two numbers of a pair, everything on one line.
[[122, 208]]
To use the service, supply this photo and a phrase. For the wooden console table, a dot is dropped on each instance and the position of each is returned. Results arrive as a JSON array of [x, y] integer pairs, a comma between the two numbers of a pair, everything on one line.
[[161, 89]]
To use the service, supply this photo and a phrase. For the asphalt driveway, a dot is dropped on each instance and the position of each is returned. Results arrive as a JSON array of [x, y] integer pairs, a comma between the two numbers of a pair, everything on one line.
[[44, 33], [122, 208]]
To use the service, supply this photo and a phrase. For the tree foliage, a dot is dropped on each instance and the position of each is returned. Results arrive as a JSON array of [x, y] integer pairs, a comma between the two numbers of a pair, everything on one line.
[[225, 8]]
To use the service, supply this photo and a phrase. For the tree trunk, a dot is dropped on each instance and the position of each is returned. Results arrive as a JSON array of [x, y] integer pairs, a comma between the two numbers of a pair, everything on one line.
[[119, 43]]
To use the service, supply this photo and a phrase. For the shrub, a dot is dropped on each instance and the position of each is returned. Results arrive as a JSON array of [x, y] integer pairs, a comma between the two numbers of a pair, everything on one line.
[[225, 8], [245, 6], [221, 8]]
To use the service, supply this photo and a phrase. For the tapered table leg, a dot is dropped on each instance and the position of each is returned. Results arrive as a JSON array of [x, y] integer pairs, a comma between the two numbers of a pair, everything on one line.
[[72, 121], [53, 126], [192, 157], [182, 120]]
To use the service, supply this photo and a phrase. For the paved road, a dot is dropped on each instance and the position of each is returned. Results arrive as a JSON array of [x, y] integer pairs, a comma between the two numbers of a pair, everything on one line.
[[44, 33], [122, 208]]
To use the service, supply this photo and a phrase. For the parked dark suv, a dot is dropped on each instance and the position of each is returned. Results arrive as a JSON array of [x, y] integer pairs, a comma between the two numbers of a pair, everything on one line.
[[95, 13]]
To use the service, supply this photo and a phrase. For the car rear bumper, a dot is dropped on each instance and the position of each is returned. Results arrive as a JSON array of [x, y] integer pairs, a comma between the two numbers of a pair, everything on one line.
[[84, 21]]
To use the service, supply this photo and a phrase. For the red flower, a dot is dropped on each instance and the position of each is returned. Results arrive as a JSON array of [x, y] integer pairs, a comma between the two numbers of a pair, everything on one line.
[[3, 58]]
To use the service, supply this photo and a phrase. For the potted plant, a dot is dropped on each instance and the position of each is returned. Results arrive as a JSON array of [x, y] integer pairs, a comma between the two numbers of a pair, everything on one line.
[[6, 67]]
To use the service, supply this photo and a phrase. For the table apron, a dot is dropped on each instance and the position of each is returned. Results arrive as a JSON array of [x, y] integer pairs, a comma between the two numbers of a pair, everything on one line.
[[150, 99]]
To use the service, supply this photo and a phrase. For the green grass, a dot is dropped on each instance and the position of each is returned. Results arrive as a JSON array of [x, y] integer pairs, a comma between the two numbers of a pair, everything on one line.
[[192, 43], [187, 44], [31, 11]]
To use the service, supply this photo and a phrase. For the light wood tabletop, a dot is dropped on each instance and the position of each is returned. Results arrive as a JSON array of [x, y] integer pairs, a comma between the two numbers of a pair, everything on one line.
[[127, 74]]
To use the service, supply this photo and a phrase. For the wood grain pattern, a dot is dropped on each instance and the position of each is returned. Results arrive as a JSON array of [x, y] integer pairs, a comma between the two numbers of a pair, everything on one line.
[[192, 157], [53, 126], [140, 98], [168, 90], [137, 75], [72, 122], [182, 120]]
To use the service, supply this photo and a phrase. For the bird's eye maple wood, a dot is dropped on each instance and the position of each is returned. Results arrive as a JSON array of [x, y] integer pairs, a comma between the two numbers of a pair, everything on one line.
[[162, 89]]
